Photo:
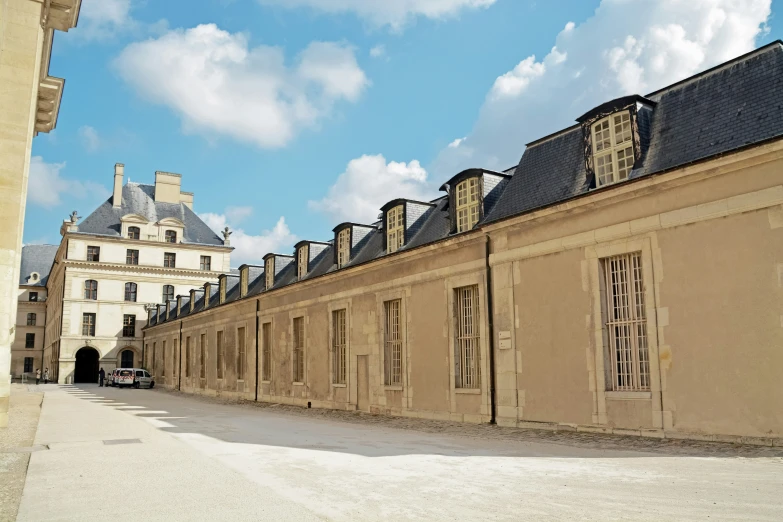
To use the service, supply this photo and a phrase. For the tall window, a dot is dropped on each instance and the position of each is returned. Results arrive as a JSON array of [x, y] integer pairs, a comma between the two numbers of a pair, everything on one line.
[[339, 364], [169, 260], [266, 352], [203, 356], [395, 229], [31, 319], [93, 253], [205, 263], [269, 272], [91, 289], [28, 364], [392, 349], [298, 353], [220, 355], [134, 233], [343, 247], [163, 359], [32, 296], [613, 148], [29, 340], [131, 257], [466, 347], [153, 359], [168, 293], [626, 322], [128, 325], [302, 261], [88, 325], [130, 292], [126, 359], [187, 356], [171, 236], [468, 200], [241, 354]]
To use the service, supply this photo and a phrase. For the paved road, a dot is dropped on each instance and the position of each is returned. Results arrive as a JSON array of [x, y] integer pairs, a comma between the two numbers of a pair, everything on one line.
[[196, 459]]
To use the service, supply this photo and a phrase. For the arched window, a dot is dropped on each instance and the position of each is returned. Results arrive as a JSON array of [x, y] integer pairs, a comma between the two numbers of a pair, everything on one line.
[[168, 292], [467, 204], [130, 292], [126, 359], [134, 233], [171, 236], [91, 289]]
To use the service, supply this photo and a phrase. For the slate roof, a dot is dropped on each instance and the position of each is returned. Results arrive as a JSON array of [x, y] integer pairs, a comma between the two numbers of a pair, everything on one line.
[[729, 107], [37, 258], [140, 199]]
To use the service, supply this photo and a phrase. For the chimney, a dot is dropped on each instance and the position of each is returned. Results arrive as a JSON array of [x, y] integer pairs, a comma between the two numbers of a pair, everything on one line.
[[167, 187], [119, 171]]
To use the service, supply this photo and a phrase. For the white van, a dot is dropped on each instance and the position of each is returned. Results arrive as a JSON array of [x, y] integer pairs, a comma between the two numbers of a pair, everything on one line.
[[136, 377], [143, 379]]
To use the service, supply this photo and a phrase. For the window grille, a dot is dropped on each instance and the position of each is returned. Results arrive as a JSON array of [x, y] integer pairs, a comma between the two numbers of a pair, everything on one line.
[[627, 323], [187, 356], [269, 273], [339, 365], [169, 260], [205, 263], [28, 364], [134, 232], [220, 355], [301, 261], [241, 354], [395, 229], [130, 292], [93, 253], [466, 356], [88, 325], [203, 356], [392, 351], [31, 319], [91, 289], [129, 326], [613, 148], [171, 236], [132, 257], [298, 352], [468, 199], [168, 293], [266, 354], [343, 247], [29, 340]]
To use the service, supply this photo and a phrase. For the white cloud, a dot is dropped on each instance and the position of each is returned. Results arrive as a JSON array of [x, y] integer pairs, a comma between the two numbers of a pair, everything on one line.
[[249, 248], [101, 20], [379, 51], [46, 187], [218, 85], [456, 143], [626, 47], [370, 182], [89, 137], [395, 13]]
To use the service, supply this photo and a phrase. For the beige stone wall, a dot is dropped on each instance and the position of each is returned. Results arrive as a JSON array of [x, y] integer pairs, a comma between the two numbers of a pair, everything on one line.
[[19, 350]]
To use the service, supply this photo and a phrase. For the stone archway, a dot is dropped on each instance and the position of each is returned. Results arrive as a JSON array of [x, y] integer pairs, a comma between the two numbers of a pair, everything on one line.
[[128, 358], [86, 365]]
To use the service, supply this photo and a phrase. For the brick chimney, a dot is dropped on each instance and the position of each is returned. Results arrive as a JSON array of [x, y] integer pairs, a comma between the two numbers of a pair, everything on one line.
[[119, 171]]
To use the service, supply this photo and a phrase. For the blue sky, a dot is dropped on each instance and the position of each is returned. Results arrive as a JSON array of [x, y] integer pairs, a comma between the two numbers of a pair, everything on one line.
[[287, 117]]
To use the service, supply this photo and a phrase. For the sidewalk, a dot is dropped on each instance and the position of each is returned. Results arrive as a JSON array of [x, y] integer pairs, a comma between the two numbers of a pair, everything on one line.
[[103, 463]]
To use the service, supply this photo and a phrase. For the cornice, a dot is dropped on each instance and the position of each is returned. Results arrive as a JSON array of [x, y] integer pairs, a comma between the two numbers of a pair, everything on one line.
[[143, 242], [117, 267]]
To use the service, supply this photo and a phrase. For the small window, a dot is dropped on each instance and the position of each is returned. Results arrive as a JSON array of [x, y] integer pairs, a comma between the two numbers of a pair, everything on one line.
[[170, 236], [91, 289], [298, 352], [302, 261], [130, 292], [466, 347], [33, 296], [168, 293], [241, 355], [203, 356], [31, 319], [205, 263], [339, 364], [88, 325], [29, 340], [269, 273], [395, 229], [266, 352], [468, 200], [169, 260], [28, 364], [93, 253], [220, 355], [392, 349], [134, 232], [613, 148], [129, 325], [343, 247], [132, 257]]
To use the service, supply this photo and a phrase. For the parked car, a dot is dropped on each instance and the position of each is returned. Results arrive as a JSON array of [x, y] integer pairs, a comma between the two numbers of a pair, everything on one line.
[[143, 379], [124, 377]]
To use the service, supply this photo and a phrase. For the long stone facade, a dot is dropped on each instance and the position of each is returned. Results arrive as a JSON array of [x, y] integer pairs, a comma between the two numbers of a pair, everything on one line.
[[649, 304]]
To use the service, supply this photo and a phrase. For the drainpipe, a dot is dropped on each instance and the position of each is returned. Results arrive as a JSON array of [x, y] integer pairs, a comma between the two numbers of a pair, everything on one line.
[[179, 370], [258, 309], [491, 327]]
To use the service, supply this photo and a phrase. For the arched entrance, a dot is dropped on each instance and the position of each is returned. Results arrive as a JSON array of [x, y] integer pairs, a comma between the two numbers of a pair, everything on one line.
[[86, 365], [127, 358]]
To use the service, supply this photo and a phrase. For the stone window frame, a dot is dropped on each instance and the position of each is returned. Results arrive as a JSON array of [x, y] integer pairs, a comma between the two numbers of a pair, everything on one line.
[[343, 247], [29, 340], [32, 296], [205, 263], [265, 370], [129, 325], [613, 149], [188, 356], [395, 228], [292, 316], [32, 318], [170, 236], [131, 292], [241, 326], [166, 294], [91, 290], [381, 299], [302, 261], [93, 254], [28, 368], [269, 273], [134, 230], [470, 207], [88, 323], [131, 256], [597, 369], [220, 354], [203, 347], [333, 306], [169, 260]]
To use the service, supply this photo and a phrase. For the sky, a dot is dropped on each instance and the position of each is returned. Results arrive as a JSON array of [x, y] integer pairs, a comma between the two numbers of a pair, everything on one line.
[[289, 117]]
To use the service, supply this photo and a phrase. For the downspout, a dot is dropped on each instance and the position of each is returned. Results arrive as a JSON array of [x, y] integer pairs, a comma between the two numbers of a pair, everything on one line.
[[258, 309], [179, 370], [491, 328]]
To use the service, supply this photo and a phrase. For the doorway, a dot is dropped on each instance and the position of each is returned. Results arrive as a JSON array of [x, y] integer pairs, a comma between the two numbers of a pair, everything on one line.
[[126, 359], [86, 366], [362, 383]]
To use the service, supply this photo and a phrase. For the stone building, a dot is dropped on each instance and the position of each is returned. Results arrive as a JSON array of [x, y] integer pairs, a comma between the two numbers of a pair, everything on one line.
[[27, 350], [625, 277], [141, 246], [29, 104]]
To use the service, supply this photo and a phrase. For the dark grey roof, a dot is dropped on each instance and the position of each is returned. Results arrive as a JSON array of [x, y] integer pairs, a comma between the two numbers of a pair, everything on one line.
[[718, 111], [140, 199], [36, 258]]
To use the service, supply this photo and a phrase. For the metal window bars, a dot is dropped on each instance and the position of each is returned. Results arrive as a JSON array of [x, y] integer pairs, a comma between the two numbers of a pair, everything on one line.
[[298, 352], [339, 364], [466, 357], [392, 353]]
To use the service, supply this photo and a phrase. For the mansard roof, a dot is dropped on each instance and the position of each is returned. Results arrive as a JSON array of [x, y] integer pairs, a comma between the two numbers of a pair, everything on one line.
[[36, 258], [140, 200]]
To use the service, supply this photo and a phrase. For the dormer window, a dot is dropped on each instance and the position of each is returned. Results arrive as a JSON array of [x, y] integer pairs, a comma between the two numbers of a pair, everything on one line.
[[613, 148], [468, 201], [243, 276], [171, 236], [134, 233], [343, 247], [302, 261], [269, 272], [395, 229], [222, 287]]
